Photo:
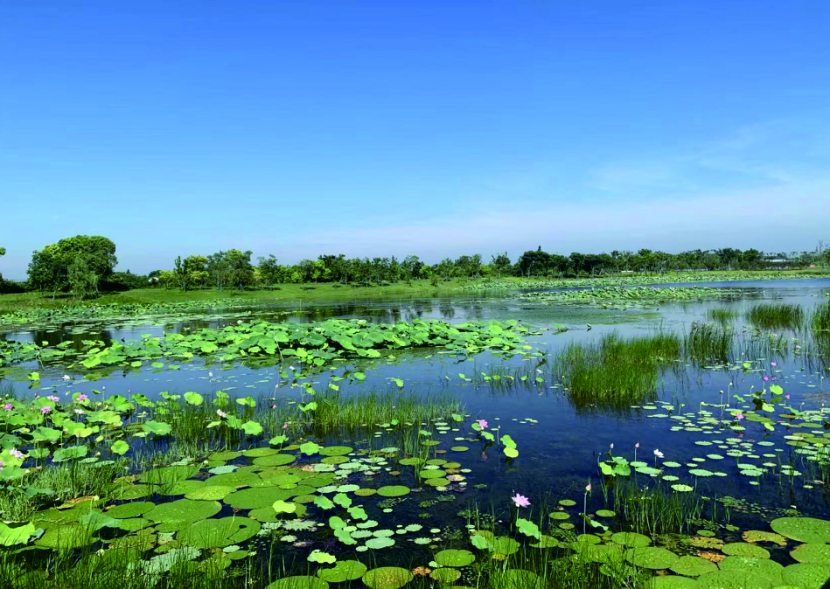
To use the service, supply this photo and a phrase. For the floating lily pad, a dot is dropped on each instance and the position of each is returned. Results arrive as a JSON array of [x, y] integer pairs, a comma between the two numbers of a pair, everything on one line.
[[745, 549], [605, 513], [134, 509], [560, 515], [386, 578], [455, 558], [746, 564], [803, 529], [670, 582], [335, 450], [693, 566], [631, 539], [734, 580], [445, 575], [183, 510], [210, 493], [806, 576], [393, 491], [758, 536], [812, 553], [651, 557], [257, 497], [217, 533], [276, 460], [343, 570]]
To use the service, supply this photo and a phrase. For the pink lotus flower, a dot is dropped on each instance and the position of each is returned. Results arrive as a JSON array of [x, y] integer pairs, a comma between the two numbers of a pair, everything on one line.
[[521, 500], [82, 397], [285, 425], [8, 406], [658, 454], [482, 423], [16, 453], [773, 363], [274, 406], [221, 413], [637, 445], [45, 409], [54, 399], [787, 396], [739, 416], [611, 446], [588, 488], [766, 378]]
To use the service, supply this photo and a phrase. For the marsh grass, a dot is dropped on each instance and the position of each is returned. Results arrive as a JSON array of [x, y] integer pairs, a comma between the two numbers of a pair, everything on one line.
[[722, 316], [653, 510], [708, 343], [615, 373], [776, 316], [337, 411], [821, 318]]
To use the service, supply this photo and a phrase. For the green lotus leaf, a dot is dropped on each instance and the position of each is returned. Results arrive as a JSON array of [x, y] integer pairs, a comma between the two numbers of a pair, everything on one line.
[[746, 564], [393, 491], [157, 428], [119, 447], [387, 578], [210, 493], [445, 575], [670, 582], [734, 580], [218, 533], [651, 557], [335, 450], [745, 549], [812, 553], [275, 460], [183, 510], [256, 497], [12, 536], [631, 539], [802, 529], [693, 566], [344, 570], [321, 557], [455, 558], [193, 398], [379, 543], [806, 576], [134, 509]]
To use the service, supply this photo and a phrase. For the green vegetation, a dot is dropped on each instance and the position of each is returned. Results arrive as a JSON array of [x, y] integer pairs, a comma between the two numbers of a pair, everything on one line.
[[620, 296], [722, 316], [615, 373], [776, 316]]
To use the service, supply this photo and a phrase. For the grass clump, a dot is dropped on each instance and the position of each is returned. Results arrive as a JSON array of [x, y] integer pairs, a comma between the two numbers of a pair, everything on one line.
[[615, 373], [706, 342], [776, 316], [722, 316], [336, 411]]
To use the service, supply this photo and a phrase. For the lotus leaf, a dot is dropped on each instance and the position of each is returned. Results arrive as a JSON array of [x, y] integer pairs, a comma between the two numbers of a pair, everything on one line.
[[134, 509], [344, 570], [455, 558], [256, 497], [210, 493], [183, 510], [445, 575], [812, 553], [217, 533], [744, 549], [806, 576], [693, 566], [802, 529], [651, 557], [386, 578], [393, 491], [298, 582], [631, 539]]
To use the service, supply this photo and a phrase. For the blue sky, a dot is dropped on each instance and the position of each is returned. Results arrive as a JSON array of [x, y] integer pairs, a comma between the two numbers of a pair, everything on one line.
[[436, 128]]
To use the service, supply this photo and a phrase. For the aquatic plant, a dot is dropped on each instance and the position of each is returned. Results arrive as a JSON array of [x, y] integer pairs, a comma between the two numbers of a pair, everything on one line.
[[776, 316], [615, 373]]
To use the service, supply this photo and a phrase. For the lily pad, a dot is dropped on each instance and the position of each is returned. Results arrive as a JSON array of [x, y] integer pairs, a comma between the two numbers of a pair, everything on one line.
[[257, 497], [386, 578], [803, 529], [455, 558], [210, 493], [133, 509], [812, 553], [745, 549], [445, 575], [631, 539], [344, 570], [393, 491], [183, 510], [693, 566], [651, 557], [218, 533], [806, 576]]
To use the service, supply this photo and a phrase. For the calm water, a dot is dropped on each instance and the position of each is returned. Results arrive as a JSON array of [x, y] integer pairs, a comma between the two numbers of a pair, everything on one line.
[[558, 452]]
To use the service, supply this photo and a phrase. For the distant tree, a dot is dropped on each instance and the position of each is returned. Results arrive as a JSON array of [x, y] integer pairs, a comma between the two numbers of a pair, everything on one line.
[[241, 270], [500, 263], [192, 271], [49, 268], [270, 271]]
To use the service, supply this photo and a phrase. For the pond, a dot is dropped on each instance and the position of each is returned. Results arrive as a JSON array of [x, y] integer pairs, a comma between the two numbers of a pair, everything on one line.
[[479, 458]]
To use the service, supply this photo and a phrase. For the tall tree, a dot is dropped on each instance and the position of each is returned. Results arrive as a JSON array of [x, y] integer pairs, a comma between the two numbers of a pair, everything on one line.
[[49, 268]]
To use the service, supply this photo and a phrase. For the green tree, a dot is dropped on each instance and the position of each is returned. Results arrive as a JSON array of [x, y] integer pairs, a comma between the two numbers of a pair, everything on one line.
[[500, 263], [83, 282], [191, 271], [240, 268], [49, 268]]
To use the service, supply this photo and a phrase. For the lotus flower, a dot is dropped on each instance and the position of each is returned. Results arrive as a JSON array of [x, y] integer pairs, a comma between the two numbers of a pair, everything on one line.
[[739, 416], [67, 377], [83, 397], [54, 399], [482, 423], [521, 500], [45, 409], [658, 454], [588, 488], [221, 413], [16, 453], [8, 406]]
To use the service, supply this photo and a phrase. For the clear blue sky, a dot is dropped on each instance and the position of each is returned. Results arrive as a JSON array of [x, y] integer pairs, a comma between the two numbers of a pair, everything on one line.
[[393, 127]]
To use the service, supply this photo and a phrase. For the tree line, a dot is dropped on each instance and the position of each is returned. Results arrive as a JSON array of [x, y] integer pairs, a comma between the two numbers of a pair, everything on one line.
[[83, 265]]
